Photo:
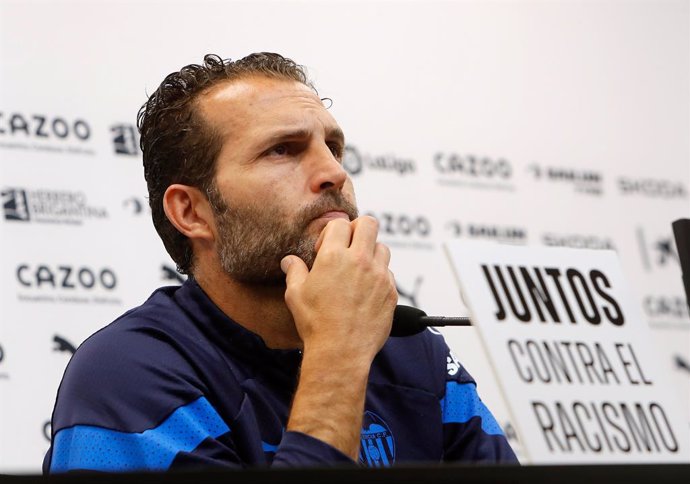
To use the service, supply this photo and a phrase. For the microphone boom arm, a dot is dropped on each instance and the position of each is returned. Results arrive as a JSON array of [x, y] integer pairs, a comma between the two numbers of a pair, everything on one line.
[[445, 321]]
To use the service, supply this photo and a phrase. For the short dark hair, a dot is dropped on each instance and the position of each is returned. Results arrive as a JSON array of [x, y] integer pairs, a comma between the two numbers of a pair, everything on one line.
[[180, 147]]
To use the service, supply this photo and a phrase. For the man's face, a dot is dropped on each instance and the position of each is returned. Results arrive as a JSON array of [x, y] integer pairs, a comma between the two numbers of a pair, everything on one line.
[[279, 179]]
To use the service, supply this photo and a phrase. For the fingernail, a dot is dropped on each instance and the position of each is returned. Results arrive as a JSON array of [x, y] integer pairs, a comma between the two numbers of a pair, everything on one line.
[[285, 263]]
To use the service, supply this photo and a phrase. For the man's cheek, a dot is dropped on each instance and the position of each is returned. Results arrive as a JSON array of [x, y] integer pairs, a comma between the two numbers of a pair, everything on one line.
[[349, 192]]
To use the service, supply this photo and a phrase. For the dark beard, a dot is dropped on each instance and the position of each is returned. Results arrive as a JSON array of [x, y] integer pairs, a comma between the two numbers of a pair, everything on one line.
[[254, 239]]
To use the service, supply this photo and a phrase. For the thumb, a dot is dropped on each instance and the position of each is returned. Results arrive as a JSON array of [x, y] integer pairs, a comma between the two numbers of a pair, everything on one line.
[[295, 270]]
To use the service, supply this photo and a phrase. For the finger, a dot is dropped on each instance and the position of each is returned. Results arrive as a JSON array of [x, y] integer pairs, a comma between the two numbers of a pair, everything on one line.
[[336, 233], [295, 270], [317, 245], [365, 230], [382, 253]]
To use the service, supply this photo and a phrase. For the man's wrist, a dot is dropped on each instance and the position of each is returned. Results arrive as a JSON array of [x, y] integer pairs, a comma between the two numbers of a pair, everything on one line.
[[338, 356], [329, 401]]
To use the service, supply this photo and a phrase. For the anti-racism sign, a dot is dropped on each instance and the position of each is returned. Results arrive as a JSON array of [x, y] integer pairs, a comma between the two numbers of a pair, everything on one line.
[[573, 355]]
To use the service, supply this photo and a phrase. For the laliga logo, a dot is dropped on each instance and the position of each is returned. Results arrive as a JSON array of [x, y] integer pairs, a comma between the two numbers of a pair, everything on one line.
[[354, 162]]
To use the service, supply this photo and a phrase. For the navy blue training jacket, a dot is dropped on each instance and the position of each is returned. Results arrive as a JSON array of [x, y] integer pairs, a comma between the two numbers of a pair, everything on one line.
[[176, 383]]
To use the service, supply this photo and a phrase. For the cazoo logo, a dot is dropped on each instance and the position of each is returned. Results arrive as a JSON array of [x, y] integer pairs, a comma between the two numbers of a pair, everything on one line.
[[473, 171], [66, 284], [41, 132], [402, 225], [473, 166], [65, 277], [404, 230], [42, 126]]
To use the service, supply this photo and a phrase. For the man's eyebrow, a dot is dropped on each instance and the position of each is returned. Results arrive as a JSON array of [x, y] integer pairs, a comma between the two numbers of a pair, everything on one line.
[[332, 133], [336, 133]]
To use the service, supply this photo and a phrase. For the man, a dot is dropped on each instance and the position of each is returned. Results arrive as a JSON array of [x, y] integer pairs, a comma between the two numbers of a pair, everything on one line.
[[276, 350]]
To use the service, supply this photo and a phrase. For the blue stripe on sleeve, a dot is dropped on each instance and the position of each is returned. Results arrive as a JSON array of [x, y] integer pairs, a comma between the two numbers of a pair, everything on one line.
[[96, 448], [461, 403], [266, 447]]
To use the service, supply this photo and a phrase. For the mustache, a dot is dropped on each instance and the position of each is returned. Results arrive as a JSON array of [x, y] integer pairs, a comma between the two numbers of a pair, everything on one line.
[[329, 201]]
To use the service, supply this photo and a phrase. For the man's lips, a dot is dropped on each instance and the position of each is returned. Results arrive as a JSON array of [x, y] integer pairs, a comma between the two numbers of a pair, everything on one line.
[[332, 215]]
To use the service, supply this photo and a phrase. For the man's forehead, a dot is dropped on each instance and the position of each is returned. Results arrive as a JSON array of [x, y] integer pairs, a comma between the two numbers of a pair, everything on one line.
[[239, 100]]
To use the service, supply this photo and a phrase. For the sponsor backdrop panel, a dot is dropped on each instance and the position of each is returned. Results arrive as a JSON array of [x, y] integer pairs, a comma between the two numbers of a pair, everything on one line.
[[561, 124]]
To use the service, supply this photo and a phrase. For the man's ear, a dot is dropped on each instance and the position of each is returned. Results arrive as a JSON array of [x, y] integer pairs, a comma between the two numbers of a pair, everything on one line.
[[189, 211]]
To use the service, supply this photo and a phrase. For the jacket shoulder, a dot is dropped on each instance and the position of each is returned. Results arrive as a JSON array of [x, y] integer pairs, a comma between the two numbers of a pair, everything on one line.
[[132, 372], [421, 361]]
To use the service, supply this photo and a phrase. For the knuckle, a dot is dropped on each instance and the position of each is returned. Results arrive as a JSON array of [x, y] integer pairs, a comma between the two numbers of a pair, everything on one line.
[[391, 278], [391, 284], [366, 223], [290, 295], [337, 222], [371, 221], [361, 258], [331, 227], [328, 254], [382, 276], [385, 250]]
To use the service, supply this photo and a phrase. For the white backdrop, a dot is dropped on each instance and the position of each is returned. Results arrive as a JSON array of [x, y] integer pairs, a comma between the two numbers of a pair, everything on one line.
[[559, 123]]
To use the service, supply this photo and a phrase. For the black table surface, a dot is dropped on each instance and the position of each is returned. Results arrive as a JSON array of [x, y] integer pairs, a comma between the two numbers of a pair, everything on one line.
[[447, 473]]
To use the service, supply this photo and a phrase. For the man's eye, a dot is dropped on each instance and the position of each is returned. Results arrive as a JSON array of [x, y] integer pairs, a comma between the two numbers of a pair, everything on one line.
[[336, 149], [279, 150]]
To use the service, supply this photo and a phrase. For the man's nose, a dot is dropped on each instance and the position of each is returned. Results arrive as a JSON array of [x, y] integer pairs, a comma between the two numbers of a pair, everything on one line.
[[327, 171]]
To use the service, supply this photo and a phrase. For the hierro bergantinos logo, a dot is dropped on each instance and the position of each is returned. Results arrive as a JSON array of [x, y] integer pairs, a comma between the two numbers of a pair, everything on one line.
[[48, 206]]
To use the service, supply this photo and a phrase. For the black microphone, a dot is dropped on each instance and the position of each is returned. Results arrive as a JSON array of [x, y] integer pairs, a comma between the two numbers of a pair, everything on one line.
[[408, 321], [681, 230]]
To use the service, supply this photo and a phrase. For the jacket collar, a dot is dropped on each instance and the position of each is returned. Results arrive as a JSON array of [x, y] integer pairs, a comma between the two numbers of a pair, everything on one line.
[[227, 333]]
